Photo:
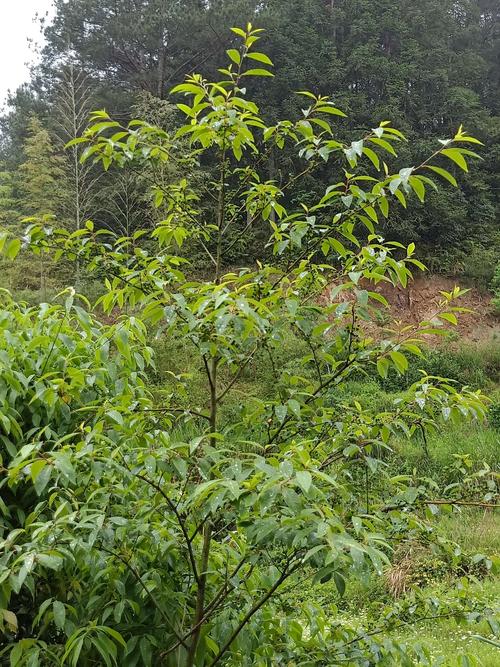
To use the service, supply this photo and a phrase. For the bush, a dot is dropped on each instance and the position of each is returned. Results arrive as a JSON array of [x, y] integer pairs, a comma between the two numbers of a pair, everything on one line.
[[471, 366], [478, 265], [495, 284], [494, 416], [56, 363]]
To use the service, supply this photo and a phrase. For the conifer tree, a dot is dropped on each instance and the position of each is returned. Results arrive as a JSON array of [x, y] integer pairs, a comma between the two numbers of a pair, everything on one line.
[[42, 187], [41, 175]]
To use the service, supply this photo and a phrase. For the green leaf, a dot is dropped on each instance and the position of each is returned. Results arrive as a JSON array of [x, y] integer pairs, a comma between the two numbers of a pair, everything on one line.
[[106, 649], [333, 111], [51, 561], [188, 89], [36, 468], [281, 412], [339, 583], [384, 206], [42, 479], [77, 649], [10, 619], [257, 72], [59, 611], [418, 187], [456, 156], [414, 349], [449, 317], [76, 141], [402, 199], [235, 55], [400, 361], [372, 156], [304, 480], [159, 195], [445, 174], [260, 57], [383, 144], [382, 367], [116, 416], [13, 248], [114, 634], [294, 406]]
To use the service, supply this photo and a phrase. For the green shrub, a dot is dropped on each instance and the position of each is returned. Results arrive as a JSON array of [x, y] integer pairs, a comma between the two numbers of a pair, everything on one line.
[[474, 366], [56, 365], [478, 265], [495, 284], [494, 416]]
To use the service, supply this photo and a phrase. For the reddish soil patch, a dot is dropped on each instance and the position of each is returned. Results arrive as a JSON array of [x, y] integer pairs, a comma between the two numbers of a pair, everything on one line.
[[420, 300]]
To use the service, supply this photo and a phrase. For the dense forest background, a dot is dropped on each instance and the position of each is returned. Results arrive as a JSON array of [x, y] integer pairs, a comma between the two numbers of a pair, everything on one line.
[[427, 66]]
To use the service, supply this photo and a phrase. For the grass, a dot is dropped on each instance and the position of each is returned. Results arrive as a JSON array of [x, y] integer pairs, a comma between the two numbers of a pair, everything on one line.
[[477, 530], [475, 439], [446, 640], [474, 531]]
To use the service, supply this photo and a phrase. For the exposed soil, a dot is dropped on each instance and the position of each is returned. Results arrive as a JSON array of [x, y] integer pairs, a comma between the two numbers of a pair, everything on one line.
[[419, 302]]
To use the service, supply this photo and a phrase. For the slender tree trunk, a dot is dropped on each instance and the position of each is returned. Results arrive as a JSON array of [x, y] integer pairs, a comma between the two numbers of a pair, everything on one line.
[[73, 105], [162, 57], [272, 177], [207, 529]]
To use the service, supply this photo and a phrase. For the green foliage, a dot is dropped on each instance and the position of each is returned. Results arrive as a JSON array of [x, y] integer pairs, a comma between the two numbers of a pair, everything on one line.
[[426, 65], [494, 416], [40, 174], [58, 366], [39, 191], [476, 366], [180, 525], [495, 284]]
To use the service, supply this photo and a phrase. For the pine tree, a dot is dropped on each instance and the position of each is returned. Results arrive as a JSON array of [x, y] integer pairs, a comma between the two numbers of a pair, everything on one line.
[[43, 190], [41, 175]]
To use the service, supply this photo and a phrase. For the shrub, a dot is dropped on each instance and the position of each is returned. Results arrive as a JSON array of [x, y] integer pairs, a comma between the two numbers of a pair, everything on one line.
[[494, 416], [495, 284]]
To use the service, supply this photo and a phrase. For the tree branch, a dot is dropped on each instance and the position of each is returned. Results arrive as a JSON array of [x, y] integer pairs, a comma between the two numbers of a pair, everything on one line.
[[180, 521], [145, 588]]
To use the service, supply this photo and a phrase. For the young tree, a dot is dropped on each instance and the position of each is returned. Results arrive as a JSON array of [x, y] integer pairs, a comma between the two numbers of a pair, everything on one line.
[[9, 202], [183, 541], [9, 220], [71, 109]]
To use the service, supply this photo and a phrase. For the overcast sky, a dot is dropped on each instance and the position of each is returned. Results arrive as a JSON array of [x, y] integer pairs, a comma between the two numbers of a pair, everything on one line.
[[16, 27]]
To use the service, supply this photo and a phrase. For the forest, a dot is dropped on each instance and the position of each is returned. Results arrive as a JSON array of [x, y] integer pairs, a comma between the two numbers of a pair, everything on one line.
[[249, 325]]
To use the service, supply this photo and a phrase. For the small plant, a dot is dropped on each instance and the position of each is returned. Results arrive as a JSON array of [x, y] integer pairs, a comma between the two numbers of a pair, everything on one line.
[[494, 416], [495, 285]]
